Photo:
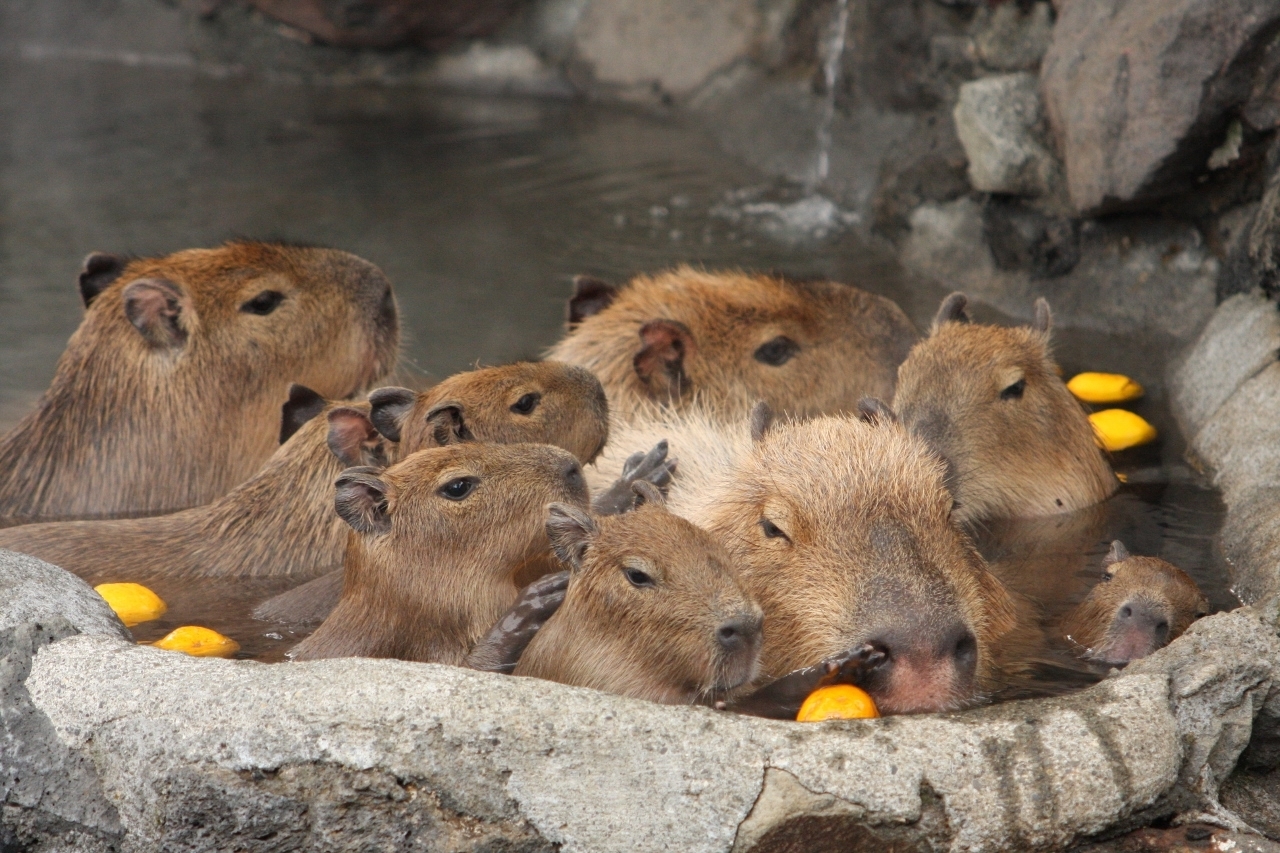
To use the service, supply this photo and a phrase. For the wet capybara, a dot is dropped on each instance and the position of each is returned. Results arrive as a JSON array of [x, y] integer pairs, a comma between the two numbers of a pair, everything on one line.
[[653, 609], [990, 400], [841, 529], [438, 543], [728, 339], [1141, 604], [169, 393], [281, 521]]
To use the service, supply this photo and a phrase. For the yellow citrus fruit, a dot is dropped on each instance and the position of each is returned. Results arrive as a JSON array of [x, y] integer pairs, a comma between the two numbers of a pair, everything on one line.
[[837, 702], [1117, 429], [198, 642], [1104, 387], [132, 602]]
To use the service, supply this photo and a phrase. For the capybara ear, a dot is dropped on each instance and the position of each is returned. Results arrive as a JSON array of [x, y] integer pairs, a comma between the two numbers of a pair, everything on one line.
[[571, 532], [873, 410], [448, 425], [952, 310], [1044, 317], [303, 405], [361, 500], [590, 297], [388, 408], [761, 420], [353, 438], [1117, 554], [664, 345], [155, 306], [100, 269], [648, 493]]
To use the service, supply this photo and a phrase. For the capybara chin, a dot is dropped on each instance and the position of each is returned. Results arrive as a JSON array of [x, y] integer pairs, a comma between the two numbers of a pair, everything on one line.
[[729, 339], [1140, 605], [990, 401], [438, 541], [653, 610], [842, 531], [168, 394]]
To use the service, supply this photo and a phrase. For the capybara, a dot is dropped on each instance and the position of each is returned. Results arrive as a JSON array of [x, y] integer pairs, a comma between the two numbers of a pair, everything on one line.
[[281, 521], [728, 339], [653, 609], [1141, 604], [990, 400], [439, 540], [168, 395], [841, 529]]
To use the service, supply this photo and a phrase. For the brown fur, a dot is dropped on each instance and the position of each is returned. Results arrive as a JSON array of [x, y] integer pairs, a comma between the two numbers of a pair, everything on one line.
[[281, 521], [659, 641], [1007, 456], [426, 576], [1140, 605], [688, 334], [868, 551], [180, 409]]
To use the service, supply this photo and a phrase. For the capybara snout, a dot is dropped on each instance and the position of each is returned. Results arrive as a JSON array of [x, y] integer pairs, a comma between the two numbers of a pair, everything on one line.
[[923, 667]]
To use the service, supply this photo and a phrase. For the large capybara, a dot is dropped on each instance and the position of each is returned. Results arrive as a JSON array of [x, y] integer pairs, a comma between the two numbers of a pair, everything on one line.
[[281, 521], [990, 400], [729, 339], [1141, 604], [439, 542], [842, 531], [169, 393], [653, 610]]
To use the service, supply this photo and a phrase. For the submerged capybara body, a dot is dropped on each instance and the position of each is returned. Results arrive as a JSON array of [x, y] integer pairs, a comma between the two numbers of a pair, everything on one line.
[[653, 610], [281, 521], [1140, 605], [841, 530], [169, 393], [990, 401], [729, 339], [439, 540]]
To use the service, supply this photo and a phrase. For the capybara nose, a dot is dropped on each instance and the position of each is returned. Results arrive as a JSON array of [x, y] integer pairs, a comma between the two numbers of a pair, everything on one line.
[[738, 633], [573, 479], [387, 307], [923, 668], [1138, 614]]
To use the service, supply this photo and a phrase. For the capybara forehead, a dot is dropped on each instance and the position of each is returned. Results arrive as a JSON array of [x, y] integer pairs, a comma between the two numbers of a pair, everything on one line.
[[1153, 574], [655, 534], [523, 466], [488, 384], [840, 467], [963, 351]]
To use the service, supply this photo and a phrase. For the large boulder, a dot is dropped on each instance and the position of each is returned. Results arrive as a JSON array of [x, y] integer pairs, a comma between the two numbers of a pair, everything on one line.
[[998, 121], [32, 590], [1141, 94]]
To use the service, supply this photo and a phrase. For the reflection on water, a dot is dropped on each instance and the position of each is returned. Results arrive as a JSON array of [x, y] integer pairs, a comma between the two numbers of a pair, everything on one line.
[[480, 210]]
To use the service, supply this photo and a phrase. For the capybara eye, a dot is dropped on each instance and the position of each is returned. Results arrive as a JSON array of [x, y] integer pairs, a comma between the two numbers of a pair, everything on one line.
[[772, 531], [264, 303], [1014, 391], [638, 578], [777, 352], [456, 490], [526, 404]]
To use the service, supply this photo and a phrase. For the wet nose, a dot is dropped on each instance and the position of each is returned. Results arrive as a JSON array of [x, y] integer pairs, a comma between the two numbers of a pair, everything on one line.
[[923, 668], [739, 633], [573, 480], [1145, 616], [387, 307]]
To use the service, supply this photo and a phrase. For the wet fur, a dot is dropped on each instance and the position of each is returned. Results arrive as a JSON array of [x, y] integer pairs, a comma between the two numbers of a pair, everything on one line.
[[131, 424]]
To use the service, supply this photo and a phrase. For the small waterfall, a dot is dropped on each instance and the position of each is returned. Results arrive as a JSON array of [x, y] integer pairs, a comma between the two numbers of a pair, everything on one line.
[[832, 53]]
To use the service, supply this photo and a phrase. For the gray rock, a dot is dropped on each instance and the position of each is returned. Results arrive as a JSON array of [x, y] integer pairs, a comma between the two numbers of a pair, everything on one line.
[[1132, 276], [1241, 339], [1241, 441], [32, 590], [997, 120], [1255, 797], [1139, 93], [1015, 37], [669, 46]]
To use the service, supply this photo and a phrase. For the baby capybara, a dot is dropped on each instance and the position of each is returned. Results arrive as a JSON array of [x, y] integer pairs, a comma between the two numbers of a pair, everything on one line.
[[169, 393]]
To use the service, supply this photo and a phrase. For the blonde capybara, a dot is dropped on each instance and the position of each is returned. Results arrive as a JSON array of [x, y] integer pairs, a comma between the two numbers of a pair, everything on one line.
[[729, 339], [168, 395]]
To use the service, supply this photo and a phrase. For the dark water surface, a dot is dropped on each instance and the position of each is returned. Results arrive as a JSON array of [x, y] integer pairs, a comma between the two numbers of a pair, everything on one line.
[[480, 210]]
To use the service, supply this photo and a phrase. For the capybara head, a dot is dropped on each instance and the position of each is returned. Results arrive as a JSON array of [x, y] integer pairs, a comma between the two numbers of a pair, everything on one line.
[[842, 530], [653, 610], [438, 541], [990, 401], [169, 393], [729, 339], [1140, 605], [538, 402]]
